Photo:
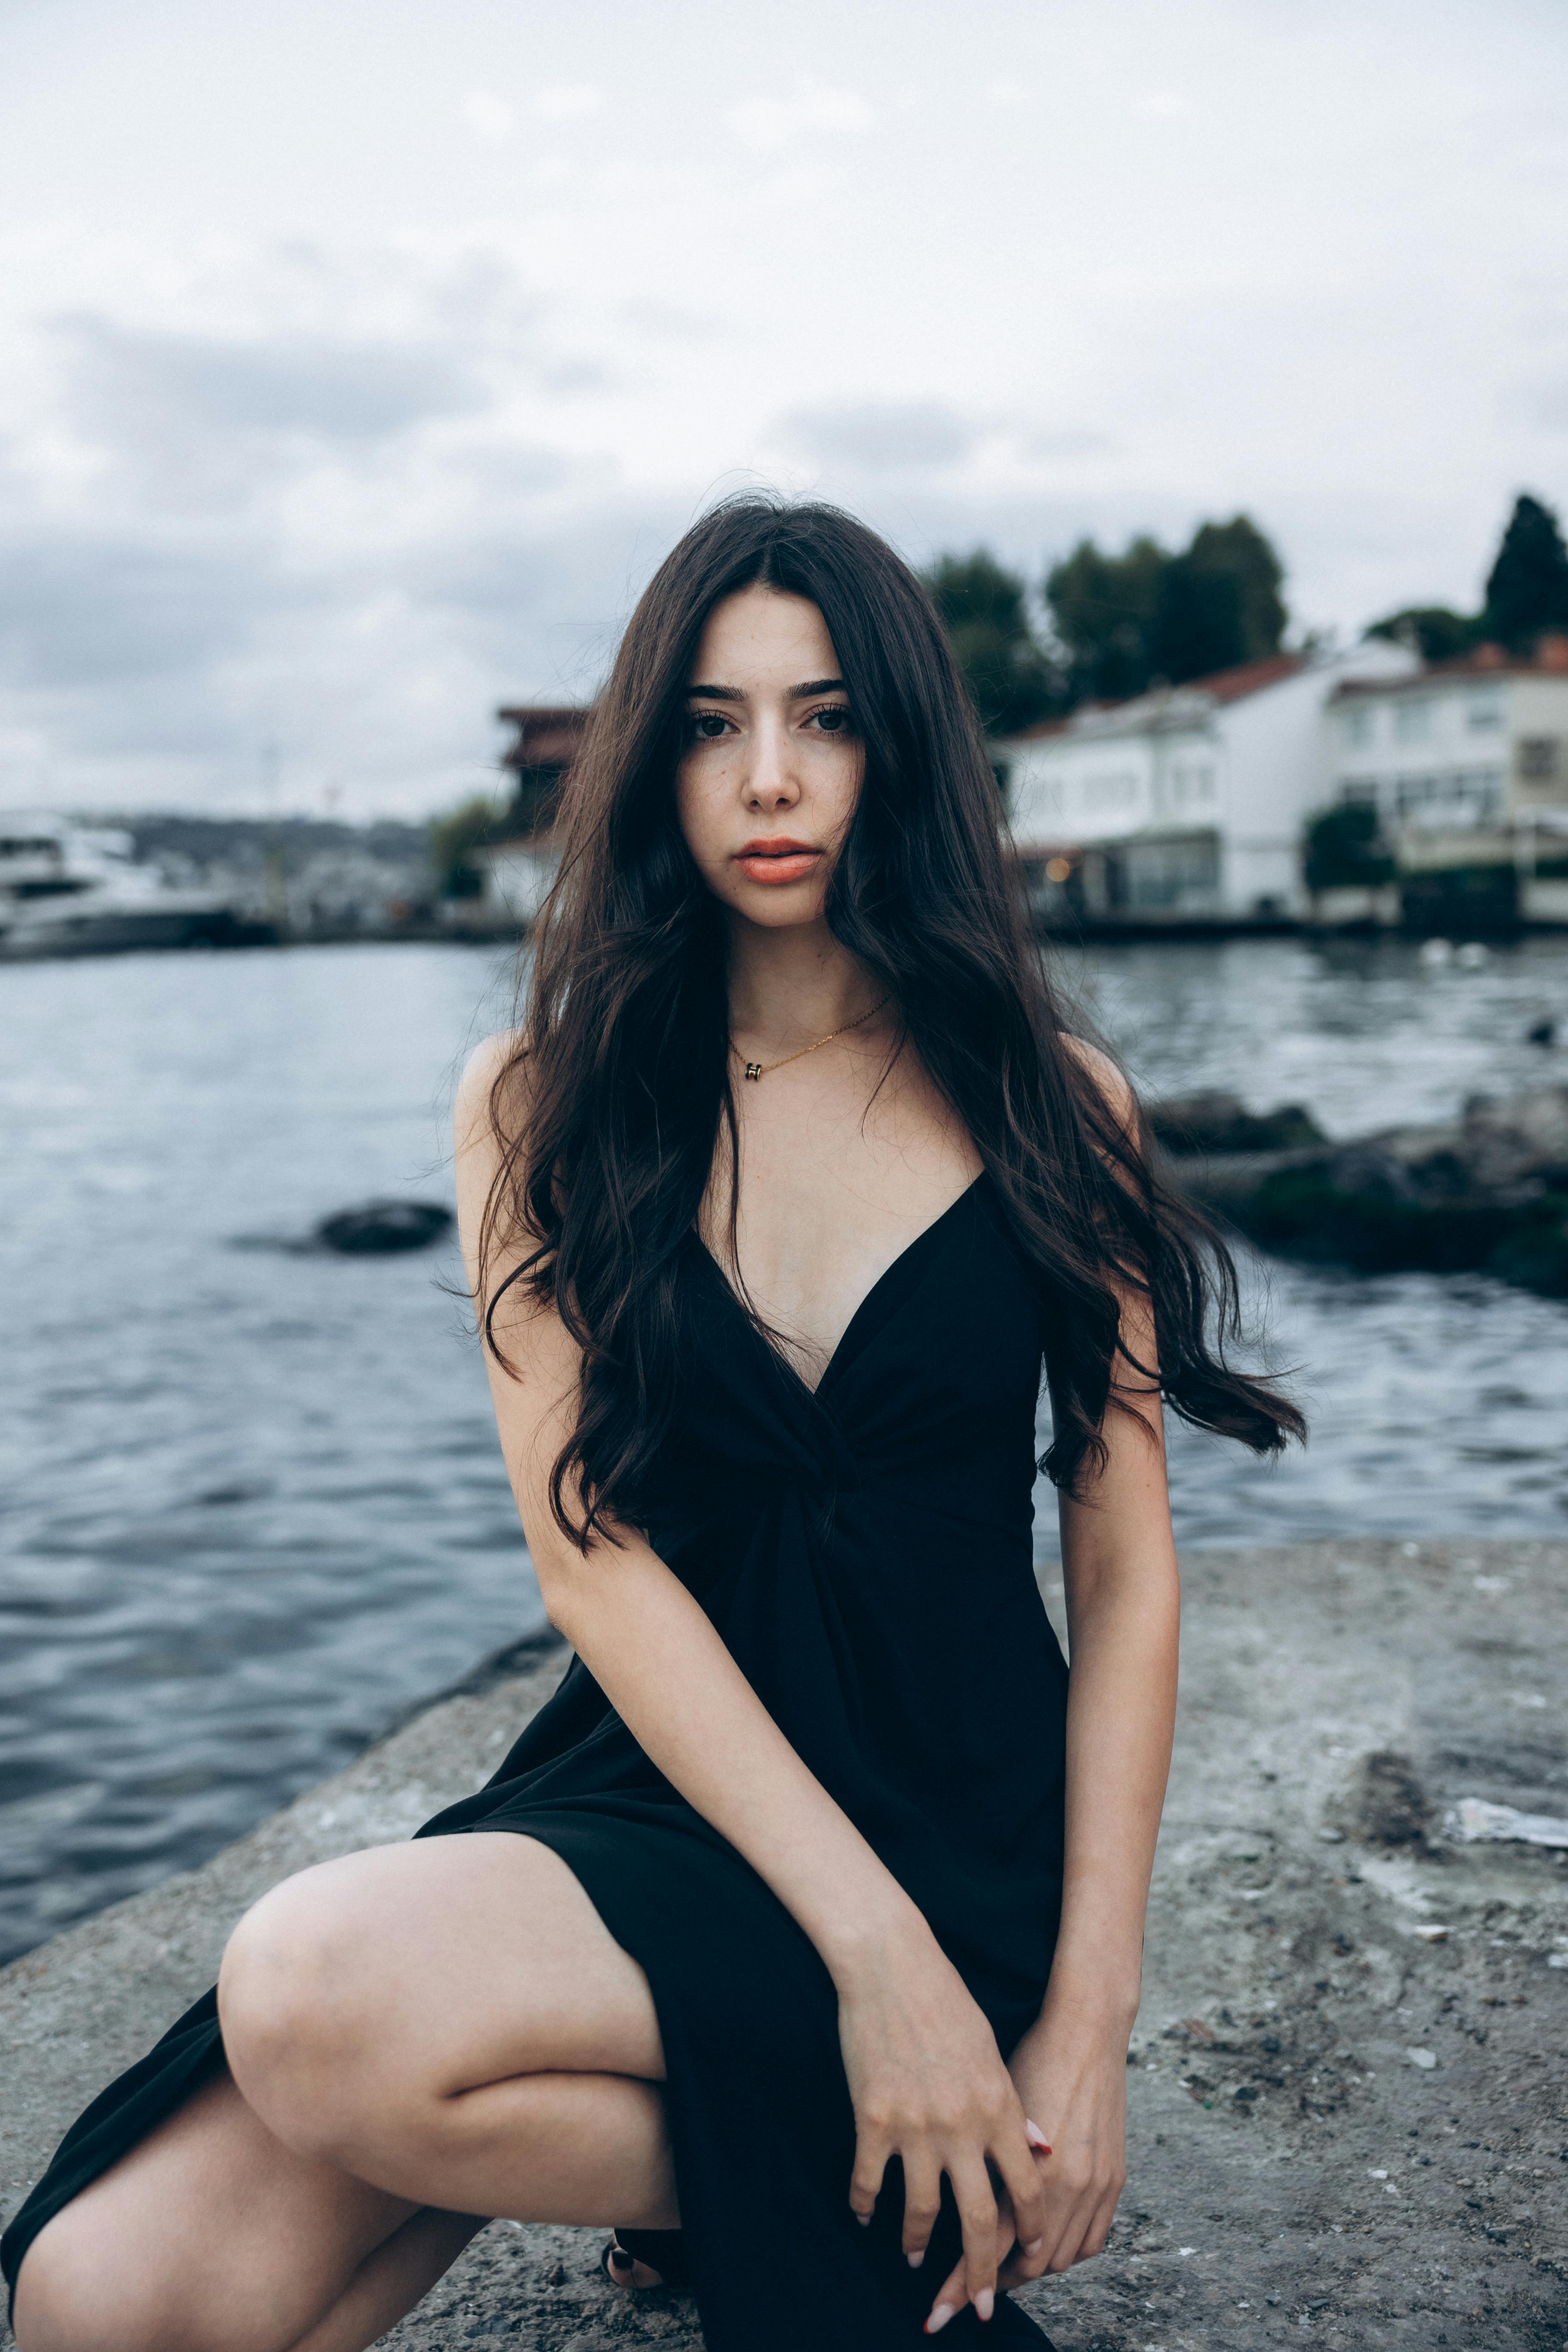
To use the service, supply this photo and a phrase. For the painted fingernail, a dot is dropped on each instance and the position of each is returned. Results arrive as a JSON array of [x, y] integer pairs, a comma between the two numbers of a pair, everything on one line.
[[1033, 2246], [621, 2260], [985, 2303], [1035, 2136], [940, 2319], [916, 2259]]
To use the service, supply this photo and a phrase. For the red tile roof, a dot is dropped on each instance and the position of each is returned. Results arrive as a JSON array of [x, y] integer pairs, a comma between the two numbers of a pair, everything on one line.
[[1549, 660], [1221, 686]]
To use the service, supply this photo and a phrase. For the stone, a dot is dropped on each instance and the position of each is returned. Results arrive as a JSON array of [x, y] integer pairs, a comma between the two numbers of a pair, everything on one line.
[[384, 1228], [1487, 1191]]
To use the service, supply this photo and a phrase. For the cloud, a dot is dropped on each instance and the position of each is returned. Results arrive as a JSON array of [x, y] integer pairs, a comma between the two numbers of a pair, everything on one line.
[[1160, 105], [879, 435], [128, 381], [1067, 441], [490, 116], [568, 102], [769, 124]]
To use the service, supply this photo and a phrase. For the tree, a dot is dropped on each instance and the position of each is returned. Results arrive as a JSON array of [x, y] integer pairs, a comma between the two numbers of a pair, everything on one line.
[[1103, 608], [1219, 602], [1344, 846], [1126, 621], [1527, 589], [454, 838], [984, 610], [1433, 631]]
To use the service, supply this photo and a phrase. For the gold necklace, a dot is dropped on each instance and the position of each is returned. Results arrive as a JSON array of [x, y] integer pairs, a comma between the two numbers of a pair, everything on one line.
[[760, 1069]]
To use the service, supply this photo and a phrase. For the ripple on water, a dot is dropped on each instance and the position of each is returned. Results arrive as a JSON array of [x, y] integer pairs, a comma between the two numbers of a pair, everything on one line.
[[255, 1508]]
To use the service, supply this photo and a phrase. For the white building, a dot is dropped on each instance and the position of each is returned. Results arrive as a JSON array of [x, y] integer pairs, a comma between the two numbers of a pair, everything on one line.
[[1467, 766], [1188, 800]]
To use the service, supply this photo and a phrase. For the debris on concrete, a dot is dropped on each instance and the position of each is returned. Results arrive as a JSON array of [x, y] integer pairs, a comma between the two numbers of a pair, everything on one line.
[[1345, 2123], [1473, 1819]]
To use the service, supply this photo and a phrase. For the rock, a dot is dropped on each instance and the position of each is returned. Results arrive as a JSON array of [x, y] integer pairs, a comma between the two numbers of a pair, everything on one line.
[[1214, 1121], [383, 1228], [1542, 1033], [1488, 1192], [1393, 1807]]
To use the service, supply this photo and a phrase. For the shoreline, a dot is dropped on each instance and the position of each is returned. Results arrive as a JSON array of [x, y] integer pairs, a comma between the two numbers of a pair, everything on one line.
[[1297, 2172]]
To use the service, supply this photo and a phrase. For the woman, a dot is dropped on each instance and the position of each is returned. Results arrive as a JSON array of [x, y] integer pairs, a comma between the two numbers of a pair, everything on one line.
[[805, 1918]]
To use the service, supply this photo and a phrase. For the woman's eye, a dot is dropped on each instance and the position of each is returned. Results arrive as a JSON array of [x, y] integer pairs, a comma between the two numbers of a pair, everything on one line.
[[833, 721], [707, 726]]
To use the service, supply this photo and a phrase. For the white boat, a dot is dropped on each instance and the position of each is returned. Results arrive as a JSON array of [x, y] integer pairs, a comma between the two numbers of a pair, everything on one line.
[[72, 889]]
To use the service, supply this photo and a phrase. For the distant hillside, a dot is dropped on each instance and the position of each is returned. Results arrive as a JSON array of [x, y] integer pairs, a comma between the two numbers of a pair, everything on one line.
[[245, 842]]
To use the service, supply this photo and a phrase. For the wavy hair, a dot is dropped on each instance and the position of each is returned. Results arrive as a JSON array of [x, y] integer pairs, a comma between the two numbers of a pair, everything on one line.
[[617, 1096]]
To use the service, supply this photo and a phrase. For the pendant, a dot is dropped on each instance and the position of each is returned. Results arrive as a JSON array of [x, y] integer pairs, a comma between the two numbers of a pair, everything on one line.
[[753, 1069]]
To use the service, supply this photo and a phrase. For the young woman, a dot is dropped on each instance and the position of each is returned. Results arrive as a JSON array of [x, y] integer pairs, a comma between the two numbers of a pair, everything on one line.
[[805, 1918]]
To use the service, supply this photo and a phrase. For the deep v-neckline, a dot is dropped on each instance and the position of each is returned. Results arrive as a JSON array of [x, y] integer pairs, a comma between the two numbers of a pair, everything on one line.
[[815, 1389]]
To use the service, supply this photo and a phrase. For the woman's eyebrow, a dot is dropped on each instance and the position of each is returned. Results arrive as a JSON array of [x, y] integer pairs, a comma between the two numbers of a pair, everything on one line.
[[795, 694]]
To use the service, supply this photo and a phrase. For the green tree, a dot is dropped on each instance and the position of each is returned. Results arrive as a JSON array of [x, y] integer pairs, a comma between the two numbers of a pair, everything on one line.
[[1527, 589], [1102, 607], [984, 610], [454, 838], [1434, 631], [1219, 602], [1126, 621], [1344, 847]]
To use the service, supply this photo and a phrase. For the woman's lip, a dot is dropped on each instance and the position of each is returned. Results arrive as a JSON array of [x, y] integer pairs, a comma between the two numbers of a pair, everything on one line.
[[783, 862]]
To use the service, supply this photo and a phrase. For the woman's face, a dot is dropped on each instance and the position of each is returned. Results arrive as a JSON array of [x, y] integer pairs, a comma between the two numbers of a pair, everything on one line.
[[772, 766]]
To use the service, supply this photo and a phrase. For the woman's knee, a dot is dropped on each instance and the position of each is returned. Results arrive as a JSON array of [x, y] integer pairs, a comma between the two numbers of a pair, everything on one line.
[[295, 2002]]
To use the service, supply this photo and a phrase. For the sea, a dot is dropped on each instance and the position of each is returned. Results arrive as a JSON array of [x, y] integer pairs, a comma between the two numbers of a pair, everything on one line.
[[252, 1510]]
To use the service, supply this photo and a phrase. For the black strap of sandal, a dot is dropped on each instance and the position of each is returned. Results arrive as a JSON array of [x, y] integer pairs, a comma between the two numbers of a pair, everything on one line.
[[663, 2251]]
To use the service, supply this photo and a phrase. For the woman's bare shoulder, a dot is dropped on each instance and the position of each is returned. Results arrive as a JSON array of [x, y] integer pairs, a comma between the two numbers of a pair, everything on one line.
[[473, 1109], [1117, 1093]]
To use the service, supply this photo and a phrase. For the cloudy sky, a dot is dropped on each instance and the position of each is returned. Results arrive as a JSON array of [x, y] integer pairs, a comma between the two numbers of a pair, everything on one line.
[[359, 358]]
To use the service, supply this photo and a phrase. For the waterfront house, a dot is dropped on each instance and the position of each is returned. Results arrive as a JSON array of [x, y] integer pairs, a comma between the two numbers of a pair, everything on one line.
[[1467, 767], [519, 866], [1188, 801]]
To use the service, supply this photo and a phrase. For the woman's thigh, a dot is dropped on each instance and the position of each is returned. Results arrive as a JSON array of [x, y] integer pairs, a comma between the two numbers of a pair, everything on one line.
[[209, 2232], [415, 1972], [381, 1987]]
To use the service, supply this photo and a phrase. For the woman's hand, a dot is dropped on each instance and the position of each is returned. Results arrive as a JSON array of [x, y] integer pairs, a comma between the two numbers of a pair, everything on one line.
[[1072, 2081], [929, 2087]]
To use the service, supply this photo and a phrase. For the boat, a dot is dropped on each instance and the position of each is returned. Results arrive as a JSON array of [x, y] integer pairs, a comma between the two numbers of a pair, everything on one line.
[[74, 889]]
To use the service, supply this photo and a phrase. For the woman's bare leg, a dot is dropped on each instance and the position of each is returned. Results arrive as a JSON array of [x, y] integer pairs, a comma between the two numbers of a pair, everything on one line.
[[445, 2024]]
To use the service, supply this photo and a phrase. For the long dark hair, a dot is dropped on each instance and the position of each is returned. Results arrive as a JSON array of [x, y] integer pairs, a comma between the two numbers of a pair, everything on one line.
[[610, 1110]]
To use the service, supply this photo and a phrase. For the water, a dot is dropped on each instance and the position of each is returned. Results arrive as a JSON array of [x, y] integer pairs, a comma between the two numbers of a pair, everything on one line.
[[254, 1508]]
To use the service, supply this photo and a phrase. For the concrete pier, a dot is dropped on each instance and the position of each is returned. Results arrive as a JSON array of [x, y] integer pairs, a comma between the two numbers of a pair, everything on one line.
[[1346, 2079]]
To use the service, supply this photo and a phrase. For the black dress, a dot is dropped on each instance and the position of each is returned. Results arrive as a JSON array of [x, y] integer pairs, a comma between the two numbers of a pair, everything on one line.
[[864, 1549]]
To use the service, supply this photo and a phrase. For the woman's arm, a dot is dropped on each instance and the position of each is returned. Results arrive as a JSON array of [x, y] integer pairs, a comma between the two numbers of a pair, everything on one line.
[[1123, 1601], [927, 2080]]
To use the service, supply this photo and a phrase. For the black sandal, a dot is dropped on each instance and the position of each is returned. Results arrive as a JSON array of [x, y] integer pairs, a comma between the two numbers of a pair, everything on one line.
[[663, 2251]]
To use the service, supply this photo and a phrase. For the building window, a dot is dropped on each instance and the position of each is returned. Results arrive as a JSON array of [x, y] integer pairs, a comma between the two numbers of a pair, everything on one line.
[[1537, 758], [1101, 793], [1482, 712], [1412, 722], [1356, 725], [1454, 802], [1170, 875]]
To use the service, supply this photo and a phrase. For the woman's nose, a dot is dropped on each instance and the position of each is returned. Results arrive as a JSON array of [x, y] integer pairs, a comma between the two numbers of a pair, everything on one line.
[[769, 783]]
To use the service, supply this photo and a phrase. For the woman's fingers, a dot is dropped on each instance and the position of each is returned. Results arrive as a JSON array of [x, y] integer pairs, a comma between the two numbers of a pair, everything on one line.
[[976, 2202], [871, 2155], [922, 2202], [1025, 2178]]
